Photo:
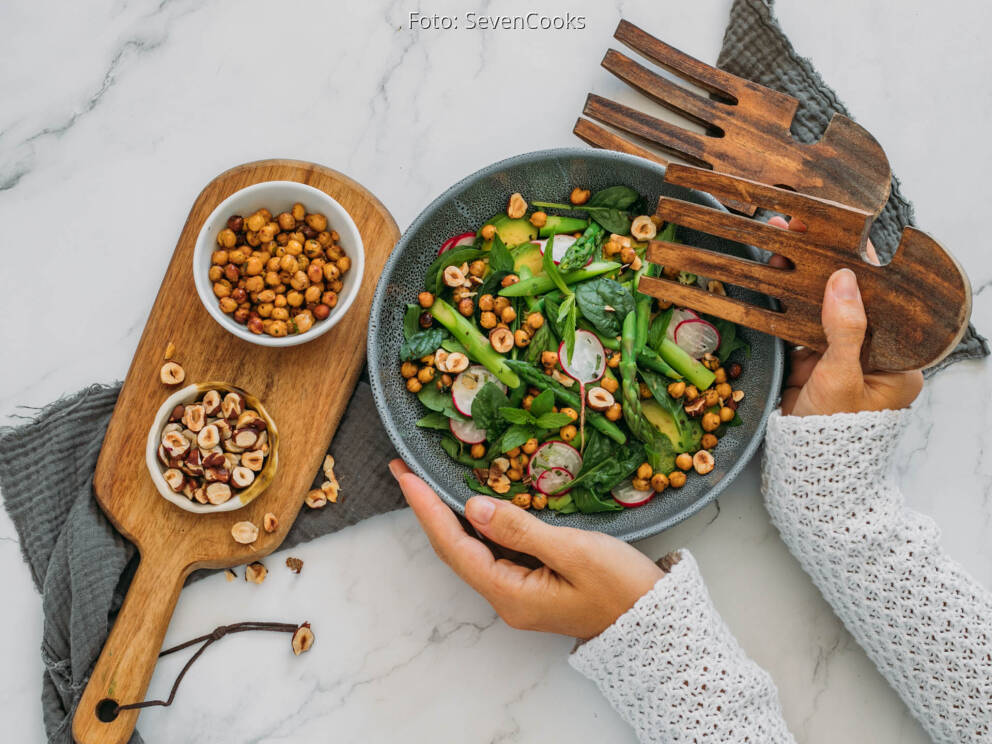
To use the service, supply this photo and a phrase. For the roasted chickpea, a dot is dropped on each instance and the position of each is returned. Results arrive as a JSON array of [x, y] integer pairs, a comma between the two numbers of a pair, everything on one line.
[[614, 412], [609, 384], [538, 501], [568, 432], [527, 401], [336, 286], [288, 264], [303, 321], [280, 313], [316, 222], [613, 360], [329, 298], [711, 421], [280, 300], [294, 247], [539, 219], [520, 338], [226, 238], [477, 267], [508, 314], [426, 299], [344, 264], [228, 305], [579, 196], [222, 289], [509, 280], [268, 232], [413, 385], [331, 272], [299, 281], [726, 414], [253, 266], [294, 298], [522, 500], [724, 391], [549, 358], [425, 375], [644, 471], [264, 309], [530, 446], [219, 257], [312, 295], [215, 273], [477, 451], [485, 302], [500, 303], [659, 482], [466, 307], [641, 484], [278, 328], [691, 393], [676, 479], [488, 231], [488, 320], [711, 397], [709, 441], [720, 375], [676, 389], [571, 413], [535, 320], [683, 461], [645, 391], [321, 311], [286, 221]]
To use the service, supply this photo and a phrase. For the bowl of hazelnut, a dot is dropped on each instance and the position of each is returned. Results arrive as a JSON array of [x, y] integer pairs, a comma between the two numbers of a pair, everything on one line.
[[212, 447], [278, 263]]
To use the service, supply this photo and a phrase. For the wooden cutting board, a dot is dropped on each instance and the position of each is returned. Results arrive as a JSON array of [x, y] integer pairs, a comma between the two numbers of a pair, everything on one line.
[[305, 388]]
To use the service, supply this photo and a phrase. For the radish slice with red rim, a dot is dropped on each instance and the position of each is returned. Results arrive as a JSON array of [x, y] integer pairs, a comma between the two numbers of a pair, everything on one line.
[[626, 495], [466, 431], [554, 454], [697, 337], [679, 315], [588, 361], [468, 384], [466, 238], [561, 244], [551, 480]]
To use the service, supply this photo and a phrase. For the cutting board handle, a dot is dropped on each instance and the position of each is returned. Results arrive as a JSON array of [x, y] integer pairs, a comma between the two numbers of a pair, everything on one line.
[[125, 666]]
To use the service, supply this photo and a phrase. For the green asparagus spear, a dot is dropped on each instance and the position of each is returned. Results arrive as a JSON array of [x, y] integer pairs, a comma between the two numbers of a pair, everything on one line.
[[542, 283], [648, 359], [657, 446], [692, 369], [578, 253], [478, 345], [533, 376]]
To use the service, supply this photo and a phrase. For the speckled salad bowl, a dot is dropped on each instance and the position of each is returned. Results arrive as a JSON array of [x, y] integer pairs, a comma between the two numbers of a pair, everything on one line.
[[550, 175]]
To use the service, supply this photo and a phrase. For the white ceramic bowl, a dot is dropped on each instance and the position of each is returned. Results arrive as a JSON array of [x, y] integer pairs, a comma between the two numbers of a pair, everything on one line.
[[189, 394], [279, 196]]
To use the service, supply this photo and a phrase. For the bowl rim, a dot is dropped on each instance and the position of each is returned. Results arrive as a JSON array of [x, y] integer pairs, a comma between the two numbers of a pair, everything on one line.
[[378, 390], [155, 470], [342, 222]]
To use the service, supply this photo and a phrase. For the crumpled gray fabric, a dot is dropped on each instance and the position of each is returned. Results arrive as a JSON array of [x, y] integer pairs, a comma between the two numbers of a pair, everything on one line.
[[756, 48], [82, 566]]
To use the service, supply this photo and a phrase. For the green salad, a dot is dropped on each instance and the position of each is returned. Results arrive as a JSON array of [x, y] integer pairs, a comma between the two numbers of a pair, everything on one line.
[[552, 379]]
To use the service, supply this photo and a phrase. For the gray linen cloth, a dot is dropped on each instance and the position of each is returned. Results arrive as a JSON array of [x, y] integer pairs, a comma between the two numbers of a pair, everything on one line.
[[83, 567], [754, 47]]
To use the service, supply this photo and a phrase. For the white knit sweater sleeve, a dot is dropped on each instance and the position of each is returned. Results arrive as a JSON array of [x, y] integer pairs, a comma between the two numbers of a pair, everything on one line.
[[918, 615], [672, 669]]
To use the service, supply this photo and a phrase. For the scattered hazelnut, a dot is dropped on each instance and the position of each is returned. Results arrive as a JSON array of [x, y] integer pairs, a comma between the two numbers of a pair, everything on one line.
[[256, 572], [517, 207], [315, 499], [242, 477], [270, 523], [501, 339], [294, 564], [453, 276], [170, 349], [302, 639], [643, 228], [171, 374], [244, 532], [218, 493], [703, 462]]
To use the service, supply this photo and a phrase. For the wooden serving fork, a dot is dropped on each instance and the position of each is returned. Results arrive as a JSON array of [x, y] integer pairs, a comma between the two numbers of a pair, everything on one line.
[[917, 305], [747, 129]]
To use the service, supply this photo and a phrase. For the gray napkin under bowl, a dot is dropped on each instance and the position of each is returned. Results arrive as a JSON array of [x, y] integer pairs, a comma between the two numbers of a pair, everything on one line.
[[82, 566]]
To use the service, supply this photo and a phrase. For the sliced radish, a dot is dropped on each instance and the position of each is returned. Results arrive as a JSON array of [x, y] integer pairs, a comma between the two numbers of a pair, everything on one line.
[[468, 384], [678, 315], [558, 248], [554, 454], [697, 337], [551, 480], [466, 238], [466, 431], [626, 495], [588, 361]]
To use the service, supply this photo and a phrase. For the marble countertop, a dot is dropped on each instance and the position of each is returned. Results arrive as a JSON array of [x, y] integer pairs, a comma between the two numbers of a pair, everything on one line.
[[117, 112]]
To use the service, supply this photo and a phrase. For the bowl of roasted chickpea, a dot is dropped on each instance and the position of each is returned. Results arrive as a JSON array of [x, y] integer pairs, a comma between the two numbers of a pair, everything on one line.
[[278, 263]]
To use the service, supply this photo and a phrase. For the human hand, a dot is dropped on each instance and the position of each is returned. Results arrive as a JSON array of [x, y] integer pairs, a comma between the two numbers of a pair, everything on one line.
[[833, 382], [587, 581]]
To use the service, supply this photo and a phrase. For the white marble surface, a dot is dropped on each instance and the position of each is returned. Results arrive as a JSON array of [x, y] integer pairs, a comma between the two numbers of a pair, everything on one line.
[[116, 112]]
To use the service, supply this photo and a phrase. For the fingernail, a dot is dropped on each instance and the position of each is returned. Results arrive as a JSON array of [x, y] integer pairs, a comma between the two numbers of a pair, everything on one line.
[[396, 468], [479, 509], [845, 285]]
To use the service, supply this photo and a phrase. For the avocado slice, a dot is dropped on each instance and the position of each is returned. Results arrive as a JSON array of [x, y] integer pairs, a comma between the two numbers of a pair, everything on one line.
[[529, 255], [661, 420], [511, 232]]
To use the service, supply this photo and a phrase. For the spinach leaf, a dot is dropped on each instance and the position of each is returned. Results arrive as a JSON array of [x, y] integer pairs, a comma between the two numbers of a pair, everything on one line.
[[499, 257], [729, 340], [543, 403], [434, 421], [590, 503], [486, 410], [658, 328], [421, 344], [433, 399], [604, 303], [411, 320], [515, 436], [611, 220], [689, 431], [433, 280], [599, 448], [615, 197]]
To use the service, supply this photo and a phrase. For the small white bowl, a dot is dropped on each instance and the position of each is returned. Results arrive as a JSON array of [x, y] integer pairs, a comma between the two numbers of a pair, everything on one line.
[[189, 394], [279, 196]]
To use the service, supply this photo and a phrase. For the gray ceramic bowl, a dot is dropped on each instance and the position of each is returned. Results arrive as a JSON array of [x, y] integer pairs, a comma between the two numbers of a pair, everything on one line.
[[550, 175]]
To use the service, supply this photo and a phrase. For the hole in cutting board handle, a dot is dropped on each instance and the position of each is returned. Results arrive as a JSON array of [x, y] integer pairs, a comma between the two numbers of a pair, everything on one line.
[[106, 710]]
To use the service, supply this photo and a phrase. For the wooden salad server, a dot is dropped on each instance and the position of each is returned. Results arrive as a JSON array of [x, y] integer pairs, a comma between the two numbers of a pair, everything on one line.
[[747, 129], [918, 305]]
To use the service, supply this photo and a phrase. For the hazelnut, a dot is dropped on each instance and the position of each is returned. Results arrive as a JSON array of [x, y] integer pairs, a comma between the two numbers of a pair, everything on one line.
[[501, 339], [696, 407], [294, 564], [233, 405], [456, 362], [453, 276], [737, 396], [302, 639], [517, 207], [244, 532], [194, 417], [175, 444], [171, 374], [218, 493], [734, 371], [643, 228], [175, 479], [208, 437], [703, 462], [256, 572], [316, 499], [242, 477], [599, 399], [270, 523]]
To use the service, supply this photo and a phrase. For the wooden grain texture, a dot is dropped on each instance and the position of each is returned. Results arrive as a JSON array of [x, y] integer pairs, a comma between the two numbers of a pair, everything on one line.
[[305, 388], [918, 305], [747, 128]]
